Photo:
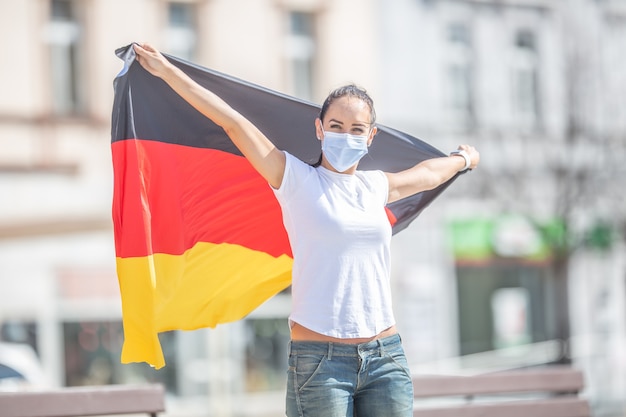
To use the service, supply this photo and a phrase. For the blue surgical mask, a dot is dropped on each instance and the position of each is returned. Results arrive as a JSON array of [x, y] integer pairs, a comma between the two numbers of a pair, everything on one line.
[[343, 150]]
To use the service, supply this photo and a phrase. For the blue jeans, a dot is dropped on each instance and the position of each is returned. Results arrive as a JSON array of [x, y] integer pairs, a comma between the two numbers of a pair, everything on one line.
[[347, 380]]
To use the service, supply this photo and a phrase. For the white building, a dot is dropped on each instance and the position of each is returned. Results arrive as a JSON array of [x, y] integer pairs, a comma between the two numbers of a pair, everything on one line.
[[491, 73], [535, 85]]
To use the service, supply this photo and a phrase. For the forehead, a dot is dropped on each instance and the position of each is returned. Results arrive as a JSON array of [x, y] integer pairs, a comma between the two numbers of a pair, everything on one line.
[[349, 109]]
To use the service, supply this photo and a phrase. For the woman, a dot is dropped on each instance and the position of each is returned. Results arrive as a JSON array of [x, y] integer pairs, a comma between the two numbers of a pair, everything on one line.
[[346, 357]]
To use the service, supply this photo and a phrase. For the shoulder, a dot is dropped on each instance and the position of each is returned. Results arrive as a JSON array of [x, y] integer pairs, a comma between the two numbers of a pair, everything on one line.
[[296, 171], [295, 164], [375, 178]]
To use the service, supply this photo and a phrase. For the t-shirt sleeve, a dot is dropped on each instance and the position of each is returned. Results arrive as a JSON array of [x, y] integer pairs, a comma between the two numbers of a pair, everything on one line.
[[295, 170]]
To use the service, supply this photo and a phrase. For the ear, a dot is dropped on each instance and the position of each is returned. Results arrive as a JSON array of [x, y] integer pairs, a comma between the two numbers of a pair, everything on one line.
[[319, 129], [371, 136]]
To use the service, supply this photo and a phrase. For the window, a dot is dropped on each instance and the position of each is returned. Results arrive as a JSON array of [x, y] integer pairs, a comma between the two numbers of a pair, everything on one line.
[[18, 331], [181, 33], [526, 80], [458, 34], [300, 52], [502, 305], [92, 352], [459, 75], [459, 98], [266, 344], [63, 35]]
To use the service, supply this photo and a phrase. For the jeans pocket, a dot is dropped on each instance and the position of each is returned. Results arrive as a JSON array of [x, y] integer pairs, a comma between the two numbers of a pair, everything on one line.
[[305, 367], [399, 358]]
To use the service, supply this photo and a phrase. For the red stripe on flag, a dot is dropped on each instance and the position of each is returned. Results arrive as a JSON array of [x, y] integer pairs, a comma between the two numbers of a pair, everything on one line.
[[169, 197], [392, 217]]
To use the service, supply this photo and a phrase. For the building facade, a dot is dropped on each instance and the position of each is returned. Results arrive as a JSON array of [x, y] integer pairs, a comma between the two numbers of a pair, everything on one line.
[[508, 270]]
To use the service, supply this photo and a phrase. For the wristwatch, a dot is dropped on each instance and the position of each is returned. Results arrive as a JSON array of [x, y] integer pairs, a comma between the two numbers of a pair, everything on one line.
[[468, 161]]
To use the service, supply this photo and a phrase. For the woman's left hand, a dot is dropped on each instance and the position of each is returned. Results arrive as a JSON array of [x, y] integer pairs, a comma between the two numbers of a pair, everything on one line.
[[473, 154], [152, 60]]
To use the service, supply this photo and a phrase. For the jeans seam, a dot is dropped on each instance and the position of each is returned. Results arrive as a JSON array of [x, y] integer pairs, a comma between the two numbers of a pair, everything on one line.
[[321, 363], [404, 368], [297, 392]]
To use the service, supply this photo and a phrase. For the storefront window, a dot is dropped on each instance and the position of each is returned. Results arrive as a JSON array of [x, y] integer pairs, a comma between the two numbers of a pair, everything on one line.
[[92, 357], [266, 354]]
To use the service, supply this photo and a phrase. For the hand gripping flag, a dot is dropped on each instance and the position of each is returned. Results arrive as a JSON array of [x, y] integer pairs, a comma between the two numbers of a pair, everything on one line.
[[199, 238]]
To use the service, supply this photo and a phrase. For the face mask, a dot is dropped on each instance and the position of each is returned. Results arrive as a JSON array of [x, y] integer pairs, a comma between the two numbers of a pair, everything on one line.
[[343, 150]]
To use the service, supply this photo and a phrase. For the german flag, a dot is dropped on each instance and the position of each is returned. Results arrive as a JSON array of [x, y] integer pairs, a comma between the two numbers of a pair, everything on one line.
[[199, 238]]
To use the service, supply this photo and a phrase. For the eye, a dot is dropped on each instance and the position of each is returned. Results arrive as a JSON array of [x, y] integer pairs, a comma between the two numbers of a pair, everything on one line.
[[358, 131], [335, 126]]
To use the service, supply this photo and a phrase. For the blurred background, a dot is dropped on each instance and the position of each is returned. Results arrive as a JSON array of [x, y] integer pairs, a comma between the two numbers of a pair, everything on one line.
[[521, 263]]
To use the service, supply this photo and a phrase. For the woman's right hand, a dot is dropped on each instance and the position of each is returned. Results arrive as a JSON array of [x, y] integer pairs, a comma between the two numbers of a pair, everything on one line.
[[151, 59], [253, 144]]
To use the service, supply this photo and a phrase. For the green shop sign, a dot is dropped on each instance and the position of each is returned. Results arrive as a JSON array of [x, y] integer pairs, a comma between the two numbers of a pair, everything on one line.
[[509, 236]]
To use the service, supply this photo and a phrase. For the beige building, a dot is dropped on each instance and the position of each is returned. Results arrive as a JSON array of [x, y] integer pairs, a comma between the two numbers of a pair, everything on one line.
[[58, 288], [497, 74]]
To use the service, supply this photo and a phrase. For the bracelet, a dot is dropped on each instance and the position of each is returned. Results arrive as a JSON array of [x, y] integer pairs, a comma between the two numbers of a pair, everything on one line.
[[468, 161]]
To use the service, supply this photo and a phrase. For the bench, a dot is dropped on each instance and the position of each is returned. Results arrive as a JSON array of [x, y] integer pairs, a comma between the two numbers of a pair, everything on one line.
[[543, 392], [84, 401]]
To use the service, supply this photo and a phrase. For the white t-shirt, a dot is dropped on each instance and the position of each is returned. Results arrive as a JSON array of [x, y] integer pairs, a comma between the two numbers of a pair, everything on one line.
[[340, 237]]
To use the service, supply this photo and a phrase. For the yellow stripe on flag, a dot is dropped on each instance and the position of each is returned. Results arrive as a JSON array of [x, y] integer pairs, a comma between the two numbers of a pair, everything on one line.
[[207, 285]]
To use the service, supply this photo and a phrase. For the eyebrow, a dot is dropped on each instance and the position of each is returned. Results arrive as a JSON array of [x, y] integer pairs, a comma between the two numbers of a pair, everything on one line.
[[354, 124]]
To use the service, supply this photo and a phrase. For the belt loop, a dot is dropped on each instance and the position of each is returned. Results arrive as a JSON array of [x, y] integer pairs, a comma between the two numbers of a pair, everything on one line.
[[330, 350], [381, 347]]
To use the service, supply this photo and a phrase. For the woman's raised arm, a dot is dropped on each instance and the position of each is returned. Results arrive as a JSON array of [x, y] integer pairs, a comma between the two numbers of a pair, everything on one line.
[[268, 160], [430, 173]]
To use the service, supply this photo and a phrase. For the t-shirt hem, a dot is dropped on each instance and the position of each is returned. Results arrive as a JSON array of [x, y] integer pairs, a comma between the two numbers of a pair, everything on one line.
[[339, 335]]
